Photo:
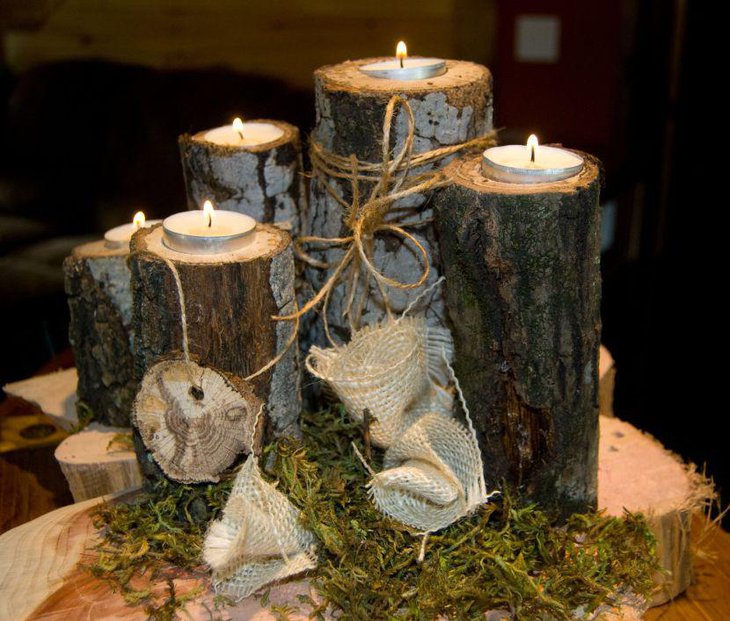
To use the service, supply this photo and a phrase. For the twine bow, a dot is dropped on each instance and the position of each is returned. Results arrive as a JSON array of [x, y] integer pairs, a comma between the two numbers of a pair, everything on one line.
[[365, 219]]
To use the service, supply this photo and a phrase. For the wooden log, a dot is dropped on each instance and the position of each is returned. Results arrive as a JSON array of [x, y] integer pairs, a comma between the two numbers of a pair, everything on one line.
[[449, 109], [95, 463], [263, 181], [229, 302], [637, 474], [523, 293], [100, 302], [40, 576]]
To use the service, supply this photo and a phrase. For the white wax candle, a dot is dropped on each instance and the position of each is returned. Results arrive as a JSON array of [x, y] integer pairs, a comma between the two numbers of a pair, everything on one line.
[[249, 134], [404, 68], [530, 164], [198, 232], [119, 236]]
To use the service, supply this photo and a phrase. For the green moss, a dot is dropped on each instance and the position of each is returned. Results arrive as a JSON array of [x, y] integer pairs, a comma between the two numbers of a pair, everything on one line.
[[506, 555]]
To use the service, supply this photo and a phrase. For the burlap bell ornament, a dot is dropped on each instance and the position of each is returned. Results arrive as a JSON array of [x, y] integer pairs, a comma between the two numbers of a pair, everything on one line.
[[384, 369], [398, 371], [259, 539]]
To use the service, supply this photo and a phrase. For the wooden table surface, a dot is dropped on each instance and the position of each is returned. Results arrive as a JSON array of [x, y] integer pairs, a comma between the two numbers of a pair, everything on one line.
[[31, 484]]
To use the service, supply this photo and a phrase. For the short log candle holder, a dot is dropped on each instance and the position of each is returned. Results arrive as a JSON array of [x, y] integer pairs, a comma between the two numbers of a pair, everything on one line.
[[229, 303], [523, 286], [262, 180]]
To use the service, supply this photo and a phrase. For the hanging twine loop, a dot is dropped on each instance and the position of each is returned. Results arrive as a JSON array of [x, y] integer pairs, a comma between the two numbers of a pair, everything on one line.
[[367, 218]]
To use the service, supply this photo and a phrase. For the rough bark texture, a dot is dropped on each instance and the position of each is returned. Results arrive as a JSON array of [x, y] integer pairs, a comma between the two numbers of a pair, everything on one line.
[[264, 182], [523, 294], [229, 301], [97, 282], [448, 109]]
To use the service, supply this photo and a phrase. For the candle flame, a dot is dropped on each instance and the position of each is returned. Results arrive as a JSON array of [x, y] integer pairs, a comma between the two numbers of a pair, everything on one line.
[[401, 52], [138, 220], [532, 147], [238, 126], [208, 212]]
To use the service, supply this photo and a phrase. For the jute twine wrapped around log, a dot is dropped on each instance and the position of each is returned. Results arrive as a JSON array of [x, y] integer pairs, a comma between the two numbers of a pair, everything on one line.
[[366, 218]]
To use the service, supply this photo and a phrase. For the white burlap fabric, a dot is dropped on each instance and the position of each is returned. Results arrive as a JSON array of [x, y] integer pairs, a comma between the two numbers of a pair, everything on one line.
[[384, 369], [432, 474], [259, 539], [399, 371]]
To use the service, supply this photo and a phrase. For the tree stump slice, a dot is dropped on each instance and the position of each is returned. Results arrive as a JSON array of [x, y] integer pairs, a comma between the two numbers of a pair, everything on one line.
[[449, 109], [195, 421], [523, 290], [40, 577], [229, 300], [636, 473], [100, 331], [95, 465], [263, 181]]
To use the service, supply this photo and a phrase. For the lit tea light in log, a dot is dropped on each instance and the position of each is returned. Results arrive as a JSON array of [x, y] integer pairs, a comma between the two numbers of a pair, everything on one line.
[[240, 134], [119, 236], [404, 68], [533, 163], [216, 232]]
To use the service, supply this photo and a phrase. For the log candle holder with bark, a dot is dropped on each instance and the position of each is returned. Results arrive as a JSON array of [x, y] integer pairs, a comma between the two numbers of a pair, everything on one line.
[[260, 178], [230, 299], [522, 263], [448, 109]]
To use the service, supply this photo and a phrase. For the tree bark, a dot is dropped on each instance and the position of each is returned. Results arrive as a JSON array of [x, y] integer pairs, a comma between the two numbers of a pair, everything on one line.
[[448, 109], [523, 293], [100, 303], [229, 302], [264, 182]]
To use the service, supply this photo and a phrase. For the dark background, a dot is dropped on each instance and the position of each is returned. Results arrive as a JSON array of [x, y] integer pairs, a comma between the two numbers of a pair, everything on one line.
[[93, 97]]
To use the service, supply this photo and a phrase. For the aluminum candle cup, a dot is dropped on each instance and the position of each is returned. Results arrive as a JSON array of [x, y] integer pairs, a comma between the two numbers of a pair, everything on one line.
[[412, 69], [512, 164], [198, 232]]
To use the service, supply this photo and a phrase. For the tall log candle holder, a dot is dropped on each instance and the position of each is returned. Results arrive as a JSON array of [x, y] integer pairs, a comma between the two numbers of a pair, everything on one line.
[[523, 285], [230, 299], [100, 331], [263, 180], [350, 105]]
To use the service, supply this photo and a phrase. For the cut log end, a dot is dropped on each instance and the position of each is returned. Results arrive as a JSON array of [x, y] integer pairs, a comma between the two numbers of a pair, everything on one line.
[[194, 420]]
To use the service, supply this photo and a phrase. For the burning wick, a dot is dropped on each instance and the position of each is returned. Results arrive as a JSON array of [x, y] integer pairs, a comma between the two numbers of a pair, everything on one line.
[[208, 211], [401, 52], [238, 127], [138, 220], [532, 146]]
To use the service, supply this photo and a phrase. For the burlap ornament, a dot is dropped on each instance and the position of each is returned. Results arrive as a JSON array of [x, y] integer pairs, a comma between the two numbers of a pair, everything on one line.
[[385, 369], [258, 540]]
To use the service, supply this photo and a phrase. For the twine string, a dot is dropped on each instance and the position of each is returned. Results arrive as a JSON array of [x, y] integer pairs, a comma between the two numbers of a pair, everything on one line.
[[365, 219]]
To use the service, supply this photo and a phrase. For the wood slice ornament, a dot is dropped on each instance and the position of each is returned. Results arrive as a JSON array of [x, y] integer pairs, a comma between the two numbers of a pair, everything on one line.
[[448, 110], [523, 286], [262, 181], [97, 282], [194, 420]]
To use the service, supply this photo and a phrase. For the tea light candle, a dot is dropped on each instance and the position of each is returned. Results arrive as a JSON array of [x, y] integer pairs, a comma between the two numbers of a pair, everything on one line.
[[530, 164], [240, 134], [208, 231], [404, 68], [119, 236]]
